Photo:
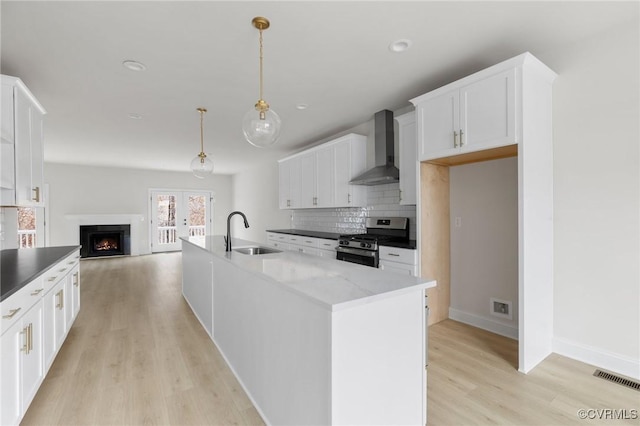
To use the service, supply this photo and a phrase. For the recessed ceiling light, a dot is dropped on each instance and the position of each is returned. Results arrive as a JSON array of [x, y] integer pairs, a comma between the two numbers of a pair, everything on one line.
[[134, 65], [302, 106], [135, 116], [400, 46]]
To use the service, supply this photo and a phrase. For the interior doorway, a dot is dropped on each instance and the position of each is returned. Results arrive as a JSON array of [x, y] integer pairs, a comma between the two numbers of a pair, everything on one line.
[[174, 214]]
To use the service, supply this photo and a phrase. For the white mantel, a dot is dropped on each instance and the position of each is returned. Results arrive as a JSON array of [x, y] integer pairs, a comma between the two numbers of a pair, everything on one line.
[[134, 220]]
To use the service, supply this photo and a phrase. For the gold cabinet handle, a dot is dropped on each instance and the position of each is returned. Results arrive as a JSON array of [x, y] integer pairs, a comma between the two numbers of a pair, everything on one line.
[[36, 198], [75, 279], [348, 198], [394, 254], [63, 269], [60, 303], [52, 278], [11, 313], [400, 190], [30, 342], [37, 292], [71, 263], [455, 139], [461, 138], [25, 347]]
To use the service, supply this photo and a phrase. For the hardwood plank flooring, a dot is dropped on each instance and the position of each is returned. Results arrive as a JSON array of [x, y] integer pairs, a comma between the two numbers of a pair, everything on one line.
[[137, 355]]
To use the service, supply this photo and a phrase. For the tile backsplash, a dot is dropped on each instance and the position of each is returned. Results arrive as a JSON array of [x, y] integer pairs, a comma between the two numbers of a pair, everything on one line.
[[382, 201]]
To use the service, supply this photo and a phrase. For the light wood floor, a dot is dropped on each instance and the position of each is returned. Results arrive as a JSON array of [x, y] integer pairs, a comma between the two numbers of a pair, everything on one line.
[[137, 355]]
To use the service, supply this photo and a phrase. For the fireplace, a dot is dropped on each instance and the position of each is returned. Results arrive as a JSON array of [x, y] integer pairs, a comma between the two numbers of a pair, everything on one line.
[[105, 240]]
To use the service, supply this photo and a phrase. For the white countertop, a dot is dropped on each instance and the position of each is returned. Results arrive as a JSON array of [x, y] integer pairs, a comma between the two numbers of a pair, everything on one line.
[[332, 283]]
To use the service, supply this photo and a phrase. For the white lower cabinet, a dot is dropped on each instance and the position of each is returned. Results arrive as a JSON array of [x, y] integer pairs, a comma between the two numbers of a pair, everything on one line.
[[22, 368], [35, 322], [403, 261], [310, 245]]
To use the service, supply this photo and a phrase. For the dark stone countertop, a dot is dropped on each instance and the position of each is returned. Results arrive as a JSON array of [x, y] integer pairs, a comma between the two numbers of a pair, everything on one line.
[[411, 244], [21, 266]]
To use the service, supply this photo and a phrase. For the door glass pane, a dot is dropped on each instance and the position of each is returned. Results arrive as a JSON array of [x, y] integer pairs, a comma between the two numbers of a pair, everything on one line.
[[26, 227], [166, 219], [197, 215]]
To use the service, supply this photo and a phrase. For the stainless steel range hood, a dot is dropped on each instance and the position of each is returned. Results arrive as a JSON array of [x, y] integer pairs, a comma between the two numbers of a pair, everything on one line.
[[384, 171]]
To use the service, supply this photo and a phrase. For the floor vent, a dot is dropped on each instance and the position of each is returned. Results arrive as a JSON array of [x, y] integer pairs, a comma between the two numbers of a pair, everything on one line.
[[617, 379]]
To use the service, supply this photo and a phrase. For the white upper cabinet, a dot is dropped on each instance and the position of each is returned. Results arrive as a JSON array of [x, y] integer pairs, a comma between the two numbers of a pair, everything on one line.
[[289, 183], [476, 113], [21, 179], [408, 159], [320, 176]]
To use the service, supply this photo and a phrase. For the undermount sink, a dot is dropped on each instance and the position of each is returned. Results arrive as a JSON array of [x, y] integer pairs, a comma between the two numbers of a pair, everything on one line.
[[256, 250]]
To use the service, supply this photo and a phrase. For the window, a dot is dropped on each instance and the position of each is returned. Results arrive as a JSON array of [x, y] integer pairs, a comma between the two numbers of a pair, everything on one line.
[[26, 227]]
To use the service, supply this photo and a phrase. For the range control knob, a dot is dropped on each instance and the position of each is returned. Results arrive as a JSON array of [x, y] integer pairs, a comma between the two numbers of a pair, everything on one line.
[[368, 245], [343, 242], [363, 244]]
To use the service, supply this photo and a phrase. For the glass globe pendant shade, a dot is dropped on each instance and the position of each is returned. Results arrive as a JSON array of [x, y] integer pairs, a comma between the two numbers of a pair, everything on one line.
[[261, 128], [201, 166]]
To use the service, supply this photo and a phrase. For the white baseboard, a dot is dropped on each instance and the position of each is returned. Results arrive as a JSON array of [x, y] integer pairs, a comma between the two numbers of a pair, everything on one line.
[[484, 323], [600, 358]]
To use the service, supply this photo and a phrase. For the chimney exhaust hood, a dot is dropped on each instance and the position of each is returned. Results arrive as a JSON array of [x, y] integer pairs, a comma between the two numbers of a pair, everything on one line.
[[384, 171]]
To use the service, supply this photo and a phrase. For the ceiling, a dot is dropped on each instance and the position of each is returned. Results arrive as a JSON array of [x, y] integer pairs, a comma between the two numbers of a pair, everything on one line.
[[333, 56]]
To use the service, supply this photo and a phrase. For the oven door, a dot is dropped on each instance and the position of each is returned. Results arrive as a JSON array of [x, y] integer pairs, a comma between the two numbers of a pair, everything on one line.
[[362, 257]]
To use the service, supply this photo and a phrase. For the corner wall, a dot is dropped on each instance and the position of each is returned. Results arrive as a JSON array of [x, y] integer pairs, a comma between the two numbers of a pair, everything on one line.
[[596, 105]]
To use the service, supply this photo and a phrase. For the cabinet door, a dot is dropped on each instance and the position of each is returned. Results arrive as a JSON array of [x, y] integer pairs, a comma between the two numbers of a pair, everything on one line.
[[487, 112], [49, 341], [7, 152], [407, 143], [32, 369], [68, 303], [59, 314], [308, 193], [399, 268], [11, 344], [37, 157], [438, 126], [325, 177], [22, 111], [75, 288], [295, 187], [284, 200]]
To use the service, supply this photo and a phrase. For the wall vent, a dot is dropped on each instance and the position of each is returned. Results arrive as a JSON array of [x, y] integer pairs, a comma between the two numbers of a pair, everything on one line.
[[617, 379]]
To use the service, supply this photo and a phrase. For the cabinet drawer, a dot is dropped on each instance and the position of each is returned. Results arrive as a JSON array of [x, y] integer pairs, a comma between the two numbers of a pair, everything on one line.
[[309, 242], [327, 244], [398, 255], [55, 274], [295, 239], [16, 305]]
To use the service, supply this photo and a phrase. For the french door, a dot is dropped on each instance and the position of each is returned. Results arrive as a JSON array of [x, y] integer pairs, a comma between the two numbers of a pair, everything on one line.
[[176, 214]]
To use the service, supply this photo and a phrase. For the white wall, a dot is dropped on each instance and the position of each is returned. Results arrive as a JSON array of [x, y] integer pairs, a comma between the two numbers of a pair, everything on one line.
[[255, 193], [596, 200], [484, 248], [104, 190]]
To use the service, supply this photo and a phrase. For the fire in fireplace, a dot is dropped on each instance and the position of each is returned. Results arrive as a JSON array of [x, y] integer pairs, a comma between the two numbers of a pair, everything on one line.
[[105, 240]]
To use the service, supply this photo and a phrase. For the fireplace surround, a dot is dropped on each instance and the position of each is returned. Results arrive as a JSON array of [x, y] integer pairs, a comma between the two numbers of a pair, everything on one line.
[[105, 240]]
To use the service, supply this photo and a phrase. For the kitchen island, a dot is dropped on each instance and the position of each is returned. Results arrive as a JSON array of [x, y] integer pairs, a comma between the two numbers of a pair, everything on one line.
[[313, 340]]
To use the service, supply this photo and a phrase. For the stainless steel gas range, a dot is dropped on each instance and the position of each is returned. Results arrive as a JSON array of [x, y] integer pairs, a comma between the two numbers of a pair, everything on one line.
[[363, 248]]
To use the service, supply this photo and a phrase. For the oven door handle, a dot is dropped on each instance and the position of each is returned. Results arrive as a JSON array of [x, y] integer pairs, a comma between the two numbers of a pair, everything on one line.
[[358, 252]]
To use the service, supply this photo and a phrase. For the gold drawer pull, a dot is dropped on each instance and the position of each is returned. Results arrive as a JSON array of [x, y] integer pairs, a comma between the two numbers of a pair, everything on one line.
[[63, 269], [52, 278], [37, 292], [394, 254], [11, 313]]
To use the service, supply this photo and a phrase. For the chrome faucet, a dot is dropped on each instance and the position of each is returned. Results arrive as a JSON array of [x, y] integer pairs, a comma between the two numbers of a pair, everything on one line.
[[227, 239]]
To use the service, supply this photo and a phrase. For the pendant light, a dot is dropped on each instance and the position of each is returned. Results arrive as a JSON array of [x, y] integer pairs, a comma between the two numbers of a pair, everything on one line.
[[201, 165], [261, 124]]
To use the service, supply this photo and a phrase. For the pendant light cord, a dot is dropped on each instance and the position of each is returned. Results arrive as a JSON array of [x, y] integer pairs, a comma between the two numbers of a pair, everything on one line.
[[260, 29]]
